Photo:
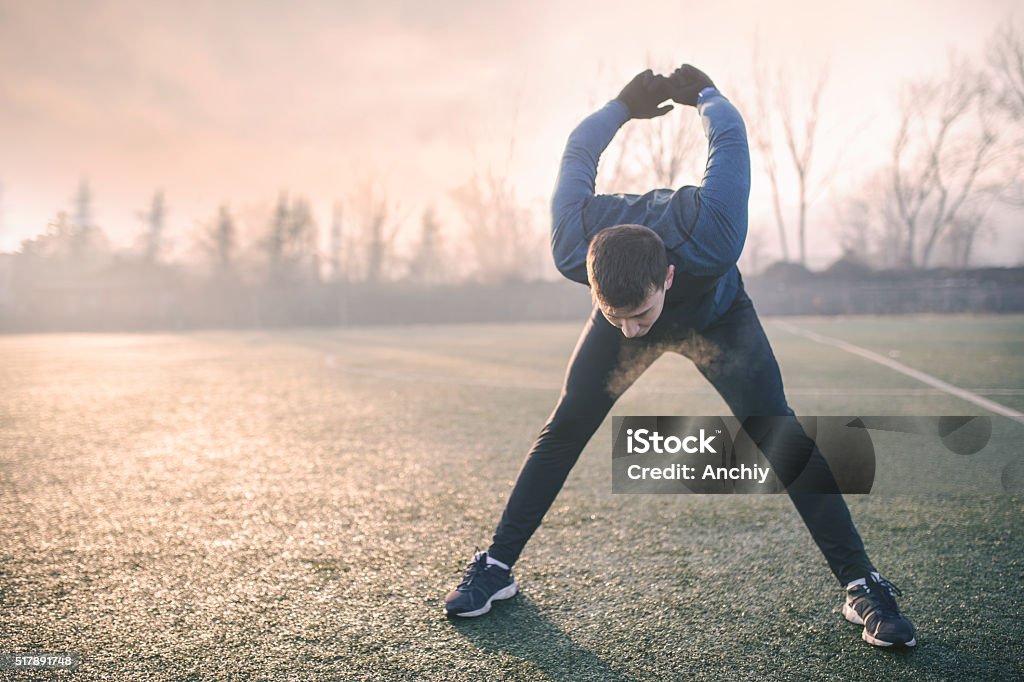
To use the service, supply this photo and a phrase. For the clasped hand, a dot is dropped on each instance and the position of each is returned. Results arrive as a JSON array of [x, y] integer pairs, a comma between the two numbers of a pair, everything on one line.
[[643, 95]]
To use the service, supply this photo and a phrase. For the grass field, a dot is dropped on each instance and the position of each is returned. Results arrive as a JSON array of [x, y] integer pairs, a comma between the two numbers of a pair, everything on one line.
[[294, 505]]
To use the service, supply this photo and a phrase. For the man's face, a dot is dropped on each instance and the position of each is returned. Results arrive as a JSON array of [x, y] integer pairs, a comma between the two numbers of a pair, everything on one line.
[[635, 322]]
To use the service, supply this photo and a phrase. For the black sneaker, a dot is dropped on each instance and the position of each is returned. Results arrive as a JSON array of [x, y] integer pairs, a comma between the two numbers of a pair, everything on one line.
[[482, 584], [873, 605]]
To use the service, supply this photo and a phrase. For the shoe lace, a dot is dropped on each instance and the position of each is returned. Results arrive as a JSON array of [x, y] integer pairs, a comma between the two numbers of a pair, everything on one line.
[[475, 568], [885, 598]]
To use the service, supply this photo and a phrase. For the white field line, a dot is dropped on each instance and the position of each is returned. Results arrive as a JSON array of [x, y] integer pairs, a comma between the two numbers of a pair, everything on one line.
[[961, 393], [701, 388]]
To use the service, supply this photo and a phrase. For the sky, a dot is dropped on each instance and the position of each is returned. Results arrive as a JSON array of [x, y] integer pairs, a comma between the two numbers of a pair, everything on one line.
[[234, 102]]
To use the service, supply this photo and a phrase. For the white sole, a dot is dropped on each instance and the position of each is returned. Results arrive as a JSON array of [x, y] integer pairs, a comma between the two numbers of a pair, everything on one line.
[[852, 616], [504, 593]]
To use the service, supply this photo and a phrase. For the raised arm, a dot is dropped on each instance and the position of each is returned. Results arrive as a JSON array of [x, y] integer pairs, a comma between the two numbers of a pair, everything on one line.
[[725, 190], [578, 171], [575, 187], [722, 198]]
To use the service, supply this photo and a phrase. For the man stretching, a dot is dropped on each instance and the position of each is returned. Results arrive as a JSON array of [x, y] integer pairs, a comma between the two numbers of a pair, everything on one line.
[[662, 271]]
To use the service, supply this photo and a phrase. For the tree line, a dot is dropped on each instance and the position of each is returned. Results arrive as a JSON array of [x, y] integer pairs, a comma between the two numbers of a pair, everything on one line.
[[957, 153]]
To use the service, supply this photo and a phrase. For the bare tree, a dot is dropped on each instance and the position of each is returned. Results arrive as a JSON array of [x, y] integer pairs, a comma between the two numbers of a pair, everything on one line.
[[428, 261], [800, 144], [154, 219], [222, 242], [275, 241], [944, 152], [81, 220], [376, 220], [217, 244], [911, 187], [775, 107], [65, 250], [335, 243], [291, 244], [501, 234], [87, 245], [659, 153], [668, 149], [1005, 61], [947, 168], [55, 244], [304, 248], [963, 234], [761, 135], [869, 224]]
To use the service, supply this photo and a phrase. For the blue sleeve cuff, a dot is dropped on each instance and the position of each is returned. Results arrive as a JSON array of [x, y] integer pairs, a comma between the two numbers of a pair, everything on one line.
[[621, 106], [707, 92]]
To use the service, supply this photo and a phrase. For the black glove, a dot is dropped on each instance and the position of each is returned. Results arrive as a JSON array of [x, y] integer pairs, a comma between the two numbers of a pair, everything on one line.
[[644, 93], [685, 84]]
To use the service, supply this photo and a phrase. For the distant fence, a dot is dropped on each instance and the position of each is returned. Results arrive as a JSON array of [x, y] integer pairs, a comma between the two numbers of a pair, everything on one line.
[[176, 308], [171, 303], [994, 290]]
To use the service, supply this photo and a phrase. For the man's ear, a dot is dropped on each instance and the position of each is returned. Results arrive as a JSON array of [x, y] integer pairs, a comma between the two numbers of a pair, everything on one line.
[[668, 277]]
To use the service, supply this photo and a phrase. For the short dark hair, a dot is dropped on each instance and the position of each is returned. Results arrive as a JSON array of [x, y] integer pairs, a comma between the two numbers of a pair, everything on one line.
[[624, 263]]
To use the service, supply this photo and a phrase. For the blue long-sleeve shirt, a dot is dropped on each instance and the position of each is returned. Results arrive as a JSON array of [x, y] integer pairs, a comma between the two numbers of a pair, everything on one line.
[[703, 227]]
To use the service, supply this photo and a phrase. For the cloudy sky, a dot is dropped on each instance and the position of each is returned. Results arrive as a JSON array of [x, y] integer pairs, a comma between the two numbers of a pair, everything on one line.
[[237, 101]]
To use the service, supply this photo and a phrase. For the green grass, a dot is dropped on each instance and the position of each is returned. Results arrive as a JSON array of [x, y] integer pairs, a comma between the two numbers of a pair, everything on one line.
[[294, 505]]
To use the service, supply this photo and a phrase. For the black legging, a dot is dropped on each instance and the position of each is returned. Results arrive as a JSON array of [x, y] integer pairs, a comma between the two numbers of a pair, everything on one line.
[[733, 353]]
